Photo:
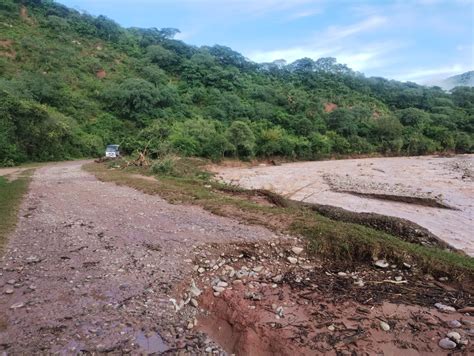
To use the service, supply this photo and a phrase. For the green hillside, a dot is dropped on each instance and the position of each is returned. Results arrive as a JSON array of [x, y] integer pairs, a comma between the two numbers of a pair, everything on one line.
[[71, 83]]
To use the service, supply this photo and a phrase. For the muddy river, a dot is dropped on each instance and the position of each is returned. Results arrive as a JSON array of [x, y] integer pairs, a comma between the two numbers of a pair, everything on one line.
[[435, 192]]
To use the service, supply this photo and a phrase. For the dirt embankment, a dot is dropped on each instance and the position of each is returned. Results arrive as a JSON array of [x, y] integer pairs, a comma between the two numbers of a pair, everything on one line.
[[433, 192], [271, 298]]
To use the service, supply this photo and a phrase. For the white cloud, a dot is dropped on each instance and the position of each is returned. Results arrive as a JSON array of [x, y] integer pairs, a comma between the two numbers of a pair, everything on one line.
[[304, 13], [340, 42], [339, 32]]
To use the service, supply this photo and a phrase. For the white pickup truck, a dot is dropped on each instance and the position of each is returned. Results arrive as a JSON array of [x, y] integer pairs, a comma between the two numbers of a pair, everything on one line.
[[112, 151]]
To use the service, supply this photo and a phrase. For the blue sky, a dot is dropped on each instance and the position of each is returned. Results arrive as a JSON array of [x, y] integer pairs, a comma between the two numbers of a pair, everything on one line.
[[416, 40]]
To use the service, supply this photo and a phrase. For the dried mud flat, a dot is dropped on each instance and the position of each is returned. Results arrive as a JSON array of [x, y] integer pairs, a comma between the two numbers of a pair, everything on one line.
[[94, 268], [435, 192]]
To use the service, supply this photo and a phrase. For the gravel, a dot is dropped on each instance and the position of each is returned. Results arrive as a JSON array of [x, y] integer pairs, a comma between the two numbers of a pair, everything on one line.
[[103, 257]]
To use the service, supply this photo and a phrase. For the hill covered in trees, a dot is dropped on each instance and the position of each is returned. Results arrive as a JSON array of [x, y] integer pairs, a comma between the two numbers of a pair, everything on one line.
[[72, 83]]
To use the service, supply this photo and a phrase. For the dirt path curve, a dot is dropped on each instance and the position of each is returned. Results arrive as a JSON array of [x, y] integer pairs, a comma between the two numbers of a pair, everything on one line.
[[92, 266]]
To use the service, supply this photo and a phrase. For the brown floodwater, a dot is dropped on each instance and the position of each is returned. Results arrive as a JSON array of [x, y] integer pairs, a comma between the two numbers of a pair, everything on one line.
[[343, 183]]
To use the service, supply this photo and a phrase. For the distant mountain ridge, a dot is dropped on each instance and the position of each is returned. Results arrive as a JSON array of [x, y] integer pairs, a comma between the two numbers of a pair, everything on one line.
[[464, 79]]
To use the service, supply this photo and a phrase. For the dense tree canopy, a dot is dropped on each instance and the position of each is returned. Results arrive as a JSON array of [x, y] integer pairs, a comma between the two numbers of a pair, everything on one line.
[[71, 83]]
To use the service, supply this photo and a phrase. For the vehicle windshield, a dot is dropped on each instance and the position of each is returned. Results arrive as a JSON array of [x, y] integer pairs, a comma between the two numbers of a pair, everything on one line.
[[111, 148]]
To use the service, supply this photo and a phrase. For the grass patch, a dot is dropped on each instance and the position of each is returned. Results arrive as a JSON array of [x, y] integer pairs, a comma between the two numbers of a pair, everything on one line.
[[11, 194], [346, 244]]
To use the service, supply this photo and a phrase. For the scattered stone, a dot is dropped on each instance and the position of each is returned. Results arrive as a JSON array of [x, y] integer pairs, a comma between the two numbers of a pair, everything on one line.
[[194, 302], [32, 259], [195, 291], [277, 279], [279, 312], [384, 326], [177, 307], [218, 289], [468, 323], [293, 260], [453, 335], [190, 325], [201, 270], [443, 279], [216, 294], [342, 274], [444, 308], [9, 291], [398, 278], [454, 324], [381, 263], [447, 344], [11, 281], [297, 250], [222, 284], [17, 305], [331, 327], [253, 296], [241, 274], [406, 265], [258, 269], [359, 283]]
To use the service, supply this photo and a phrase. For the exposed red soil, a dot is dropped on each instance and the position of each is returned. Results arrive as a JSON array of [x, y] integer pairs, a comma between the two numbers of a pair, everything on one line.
[[24, 14], [6, 50], [324, 312], [6, 43], [329, 107], [101, 74]]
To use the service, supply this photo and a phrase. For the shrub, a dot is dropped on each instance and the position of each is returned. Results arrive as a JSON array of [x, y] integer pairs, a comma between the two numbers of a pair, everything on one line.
[[242, 138], [163, 166]]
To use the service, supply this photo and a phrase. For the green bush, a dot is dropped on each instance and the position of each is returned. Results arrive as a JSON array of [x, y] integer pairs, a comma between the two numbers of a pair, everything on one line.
[[164, 166]]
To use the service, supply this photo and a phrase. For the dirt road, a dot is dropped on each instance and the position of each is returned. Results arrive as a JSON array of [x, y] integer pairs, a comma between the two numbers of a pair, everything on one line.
[[352, 184], [92, 267]]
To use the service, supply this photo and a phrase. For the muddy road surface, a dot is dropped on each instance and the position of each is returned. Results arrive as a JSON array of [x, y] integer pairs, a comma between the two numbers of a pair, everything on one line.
[[92, 266], [434, 192]]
